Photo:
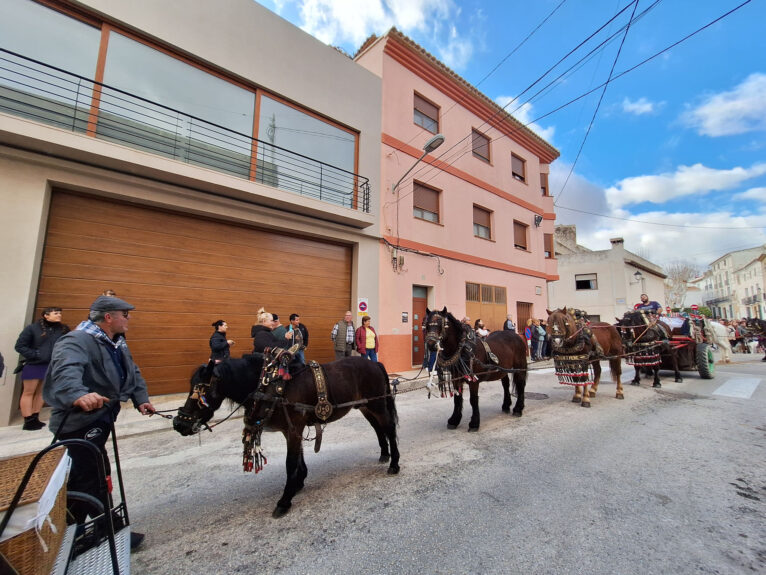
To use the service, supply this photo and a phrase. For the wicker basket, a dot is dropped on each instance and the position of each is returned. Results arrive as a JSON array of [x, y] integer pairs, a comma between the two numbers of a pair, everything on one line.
[[25, 551]]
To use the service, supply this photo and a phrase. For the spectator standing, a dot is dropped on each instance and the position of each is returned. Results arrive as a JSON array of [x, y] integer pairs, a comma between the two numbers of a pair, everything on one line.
[[343, 336], [92, 369], [219, 345], [537, 336], [546, 348], [466, 321], [509, 325], [298, 334], [35, 344], [262, 333], [528, 336], [367, 339], [479, 328], [280, 332]]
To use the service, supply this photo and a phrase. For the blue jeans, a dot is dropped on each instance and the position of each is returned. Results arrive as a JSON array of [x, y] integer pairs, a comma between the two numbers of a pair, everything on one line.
[[371, 354]]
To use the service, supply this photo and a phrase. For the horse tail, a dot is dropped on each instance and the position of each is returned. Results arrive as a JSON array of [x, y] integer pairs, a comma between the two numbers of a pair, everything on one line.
[[390, 403]]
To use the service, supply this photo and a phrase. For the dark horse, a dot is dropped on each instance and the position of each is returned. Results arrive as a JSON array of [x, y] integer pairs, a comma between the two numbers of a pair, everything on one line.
[[467, 360], [646, 339], [573, 346], [352, 382], [757, 327]]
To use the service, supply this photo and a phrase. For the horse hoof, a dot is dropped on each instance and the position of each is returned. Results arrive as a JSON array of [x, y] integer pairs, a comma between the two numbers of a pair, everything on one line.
[[506, 409], [280, 512], [657, 385], [591, 394], [635, 383], [393, 470], [451, 426], [576, 400], [472, 429], [679, 380], [516, 413], [384, 459], [620, 396], [585, 404]]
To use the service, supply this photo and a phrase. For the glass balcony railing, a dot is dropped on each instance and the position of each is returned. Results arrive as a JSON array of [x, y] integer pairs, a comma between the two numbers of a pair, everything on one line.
[[50, 95]]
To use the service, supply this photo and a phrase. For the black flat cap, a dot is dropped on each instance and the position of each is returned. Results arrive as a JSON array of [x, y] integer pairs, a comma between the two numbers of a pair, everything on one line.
[[108, 303]]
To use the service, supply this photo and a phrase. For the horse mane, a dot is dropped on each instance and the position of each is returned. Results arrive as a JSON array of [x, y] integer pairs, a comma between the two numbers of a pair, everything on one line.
[[238, 377]]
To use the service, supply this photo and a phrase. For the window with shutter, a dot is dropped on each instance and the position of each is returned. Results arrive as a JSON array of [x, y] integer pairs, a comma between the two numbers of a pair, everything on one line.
[[520, 235], [482, 226], [544, 184], [426, 114], [480, 145], [548, 245], [425, 203], [519, 168]]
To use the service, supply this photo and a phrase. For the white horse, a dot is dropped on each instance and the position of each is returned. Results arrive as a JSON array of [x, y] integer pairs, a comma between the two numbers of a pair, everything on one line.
[[719, 335]]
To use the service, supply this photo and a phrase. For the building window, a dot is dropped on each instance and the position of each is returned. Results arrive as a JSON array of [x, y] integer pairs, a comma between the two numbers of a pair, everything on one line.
[[544, 184], [472, 292], [519, 168], [520, 235], [480, 145], [482, 226], [548, 245], [586, 281], [426, 114], [425, 203]]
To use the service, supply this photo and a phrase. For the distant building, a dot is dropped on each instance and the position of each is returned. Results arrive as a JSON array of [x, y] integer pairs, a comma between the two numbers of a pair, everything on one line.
[[734, 284], [604, 283]]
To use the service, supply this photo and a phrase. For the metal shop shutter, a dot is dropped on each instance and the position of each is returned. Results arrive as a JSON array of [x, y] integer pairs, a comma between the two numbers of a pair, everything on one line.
[[183, 273]]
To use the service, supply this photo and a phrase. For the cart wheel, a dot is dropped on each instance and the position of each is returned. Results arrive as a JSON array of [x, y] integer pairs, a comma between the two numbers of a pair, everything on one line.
[[705, 361]]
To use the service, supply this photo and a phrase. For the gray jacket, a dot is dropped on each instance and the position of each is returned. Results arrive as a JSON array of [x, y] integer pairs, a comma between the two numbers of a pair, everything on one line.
[[82, 364]]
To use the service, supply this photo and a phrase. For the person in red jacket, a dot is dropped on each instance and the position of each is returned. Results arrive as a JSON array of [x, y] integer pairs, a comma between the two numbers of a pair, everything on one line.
[[367, 340]]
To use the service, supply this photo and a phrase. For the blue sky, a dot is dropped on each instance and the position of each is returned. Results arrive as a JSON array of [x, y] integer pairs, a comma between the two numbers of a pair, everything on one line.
[[675, 160]]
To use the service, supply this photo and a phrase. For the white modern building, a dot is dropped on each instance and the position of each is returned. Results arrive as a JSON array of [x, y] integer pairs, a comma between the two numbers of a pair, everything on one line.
[[202, 159], [604, 283]]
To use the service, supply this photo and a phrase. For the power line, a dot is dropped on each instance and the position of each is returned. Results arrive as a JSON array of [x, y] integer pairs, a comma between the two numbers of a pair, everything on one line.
[[601, 99], [664, 224], [617, 76]]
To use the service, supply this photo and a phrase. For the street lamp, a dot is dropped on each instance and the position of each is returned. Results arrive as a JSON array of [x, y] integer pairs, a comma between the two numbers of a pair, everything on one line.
[[639, 277], [429, 147]]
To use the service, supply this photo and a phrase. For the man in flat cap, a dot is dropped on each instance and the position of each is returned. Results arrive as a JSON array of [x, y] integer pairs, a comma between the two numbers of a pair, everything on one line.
[[90, 373]]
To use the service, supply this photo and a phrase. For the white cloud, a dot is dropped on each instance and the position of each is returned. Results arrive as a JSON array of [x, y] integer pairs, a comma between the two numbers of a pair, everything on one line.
[[660, 236], [685, 181], [349, 22], [524, 115], [757, 194], [639, 107], [738, 111]]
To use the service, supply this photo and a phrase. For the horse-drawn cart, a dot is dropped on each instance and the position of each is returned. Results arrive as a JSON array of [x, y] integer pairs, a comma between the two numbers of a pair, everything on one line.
[[693, 351]]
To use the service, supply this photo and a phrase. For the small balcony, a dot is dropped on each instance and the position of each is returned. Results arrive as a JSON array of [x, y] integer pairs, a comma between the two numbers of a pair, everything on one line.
[[52, 96]]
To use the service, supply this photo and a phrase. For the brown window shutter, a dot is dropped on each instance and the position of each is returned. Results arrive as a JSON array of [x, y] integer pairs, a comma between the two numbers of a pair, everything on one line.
[[548, 245], [480, 144], [426, 108], [519, 235], [517, 167], [481, 216], [426, 198]]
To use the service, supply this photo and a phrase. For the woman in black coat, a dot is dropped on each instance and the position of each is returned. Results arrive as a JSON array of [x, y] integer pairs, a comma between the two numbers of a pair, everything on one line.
[[35, 344], [262, 333], [219, 345]]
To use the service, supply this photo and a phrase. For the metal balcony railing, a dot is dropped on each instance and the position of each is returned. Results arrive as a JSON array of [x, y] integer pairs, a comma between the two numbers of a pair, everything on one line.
[[50, 95]]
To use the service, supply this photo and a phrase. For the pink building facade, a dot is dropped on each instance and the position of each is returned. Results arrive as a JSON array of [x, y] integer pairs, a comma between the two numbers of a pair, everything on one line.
[[471, 226]]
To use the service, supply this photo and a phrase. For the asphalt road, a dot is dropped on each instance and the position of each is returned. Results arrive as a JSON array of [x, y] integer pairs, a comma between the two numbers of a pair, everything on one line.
[[665, 481]]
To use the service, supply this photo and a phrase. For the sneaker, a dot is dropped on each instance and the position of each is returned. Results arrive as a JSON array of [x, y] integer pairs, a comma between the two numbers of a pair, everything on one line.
[[136, 539]]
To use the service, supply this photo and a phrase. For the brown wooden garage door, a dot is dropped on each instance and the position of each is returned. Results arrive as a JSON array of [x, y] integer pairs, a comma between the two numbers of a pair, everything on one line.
[[182, 273]]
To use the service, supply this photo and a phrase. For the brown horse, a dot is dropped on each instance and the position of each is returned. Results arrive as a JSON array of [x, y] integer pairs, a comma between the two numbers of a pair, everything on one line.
[[468, 361], [572, 338], [352, 382], [646, 339], [757, 327]]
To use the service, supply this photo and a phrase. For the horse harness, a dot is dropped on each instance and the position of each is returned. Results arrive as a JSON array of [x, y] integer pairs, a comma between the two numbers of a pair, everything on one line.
[[645, 353], [461, 363], [572, 364]]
